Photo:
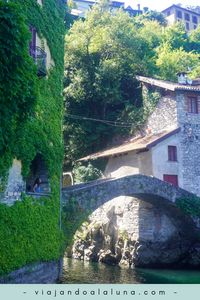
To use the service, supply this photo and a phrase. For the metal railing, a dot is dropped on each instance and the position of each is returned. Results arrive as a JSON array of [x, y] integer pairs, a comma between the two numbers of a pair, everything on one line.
[[38, 195], [40, 58]]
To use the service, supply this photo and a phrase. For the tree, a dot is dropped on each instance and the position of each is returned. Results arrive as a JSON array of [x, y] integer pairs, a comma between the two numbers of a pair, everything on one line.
[[176, 36], [194, 39], [152, 15], [171, 61], [102, 56]]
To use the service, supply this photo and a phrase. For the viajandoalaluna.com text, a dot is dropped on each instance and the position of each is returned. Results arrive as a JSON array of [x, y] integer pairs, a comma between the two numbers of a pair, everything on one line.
[[97, 292]]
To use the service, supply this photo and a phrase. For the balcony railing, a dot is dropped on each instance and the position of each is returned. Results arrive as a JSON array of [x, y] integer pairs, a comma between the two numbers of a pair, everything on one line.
[[40, 58]]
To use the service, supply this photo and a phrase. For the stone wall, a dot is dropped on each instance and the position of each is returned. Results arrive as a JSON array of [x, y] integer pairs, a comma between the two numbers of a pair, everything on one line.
[[189, 144], [44, 272], [94, 194], [164, 115], [15, 184], [131, 232]]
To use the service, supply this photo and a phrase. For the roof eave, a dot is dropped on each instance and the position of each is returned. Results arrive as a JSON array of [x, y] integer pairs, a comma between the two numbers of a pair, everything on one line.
[[159, 140]]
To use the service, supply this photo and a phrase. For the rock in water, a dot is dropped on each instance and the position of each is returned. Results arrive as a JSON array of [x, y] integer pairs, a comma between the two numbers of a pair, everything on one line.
[[131, 232]]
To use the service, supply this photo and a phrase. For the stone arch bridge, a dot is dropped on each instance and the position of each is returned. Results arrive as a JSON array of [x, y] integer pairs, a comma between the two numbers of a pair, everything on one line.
[[94, 194], [163, 234]]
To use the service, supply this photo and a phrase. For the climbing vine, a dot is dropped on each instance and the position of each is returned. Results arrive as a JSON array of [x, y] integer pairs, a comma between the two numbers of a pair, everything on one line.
[[73, 217], [29, 230], [190, 206]]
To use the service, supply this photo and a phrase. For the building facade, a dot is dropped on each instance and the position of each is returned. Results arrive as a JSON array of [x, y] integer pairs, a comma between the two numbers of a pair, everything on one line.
[[175, 13], [31, 146], [168, 146]]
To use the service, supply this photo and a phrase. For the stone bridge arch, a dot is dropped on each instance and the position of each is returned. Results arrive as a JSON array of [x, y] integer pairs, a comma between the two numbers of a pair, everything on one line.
[[179, 233], [94, 194]]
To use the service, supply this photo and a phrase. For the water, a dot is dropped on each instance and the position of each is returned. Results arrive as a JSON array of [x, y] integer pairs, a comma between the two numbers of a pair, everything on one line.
[[76, 271]]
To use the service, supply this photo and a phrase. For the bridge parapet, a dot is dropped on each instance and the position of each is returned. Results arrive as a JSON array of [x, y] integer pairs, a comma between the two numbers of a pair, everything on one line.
[[94, 194]]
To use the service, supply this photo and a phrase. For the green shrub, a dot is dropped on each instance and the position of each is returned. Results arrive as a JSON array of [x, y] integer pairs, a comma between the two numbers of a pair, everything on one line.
[[86, 173], [190, 206]]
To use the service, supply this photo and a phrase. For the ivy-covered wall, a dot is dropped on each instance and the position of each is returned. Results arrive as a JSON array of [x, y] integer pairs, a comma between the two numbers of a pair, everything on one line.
[[31, 111]]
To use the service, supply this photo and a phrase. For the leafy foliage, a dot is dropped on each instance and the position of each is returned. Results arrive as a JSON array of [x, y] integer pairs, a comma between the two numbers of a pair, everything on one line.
[[17, 72], [152, 15], [171, 61], [86, 173], [73, 216], [190, 206], [102, 56], [29, 230]]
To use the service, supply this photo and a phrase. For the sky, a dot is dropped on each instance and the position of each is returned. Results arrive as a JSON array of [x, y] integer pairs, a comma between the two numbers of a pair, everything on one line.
[[159, 5]]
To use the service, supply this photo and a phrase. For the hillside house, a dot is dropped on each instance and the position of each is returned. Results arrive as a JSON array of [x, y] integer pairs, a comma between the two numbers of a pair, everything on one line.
[[169, 146], [175, 13], [81, 7]]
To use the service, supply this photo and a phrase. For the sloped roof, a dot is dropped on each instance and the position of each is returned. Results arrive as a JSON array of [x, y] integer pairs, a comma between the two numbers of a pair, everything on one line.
[[138, 143], [169, 85], [181, 8]]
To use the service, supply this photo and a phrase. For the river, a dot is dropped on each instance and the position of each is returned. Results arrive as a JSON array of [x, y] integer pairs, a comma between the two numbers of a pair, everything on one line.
[[76, 271]]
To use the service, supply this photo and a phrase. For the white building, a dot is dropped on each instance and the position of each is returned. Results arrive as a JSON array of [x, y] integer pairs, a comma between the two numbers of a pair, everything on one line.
[[176, 13], [169, 148]]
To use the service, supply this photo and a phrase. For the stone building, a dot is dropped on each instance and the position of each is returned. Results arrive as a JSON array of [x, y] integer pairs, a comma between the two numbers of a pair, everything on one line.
[[32, 38], [81, 7], [176, 13], [168, 145], [41, 54]]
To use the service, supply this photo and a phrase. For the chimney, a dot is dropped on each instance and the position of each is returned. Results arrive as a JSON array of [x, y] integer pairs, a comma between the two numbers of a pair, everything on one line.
[[182, 77], [138, 6]]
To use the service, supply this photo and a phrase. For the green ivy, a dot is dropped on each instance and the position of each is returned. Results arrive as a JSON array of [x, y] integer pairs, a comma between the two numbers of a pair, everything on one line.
[[29, 230], [190, 206], [73, 217]]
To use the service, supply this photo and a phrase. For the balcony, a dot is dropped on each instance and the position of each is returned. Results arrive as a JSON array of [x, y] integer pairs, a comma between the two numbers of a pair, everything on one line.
[[39, 57]]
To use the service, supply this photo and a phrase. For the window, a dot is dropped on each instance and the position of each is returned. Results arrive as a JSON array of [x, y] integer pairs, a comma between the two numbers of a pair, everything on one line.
[[172, 153], [193, 105], [187, 17], [32, 44], [168, 13], [194, 19], [179, 14], [173, 179], [195, 26], [187, 26]]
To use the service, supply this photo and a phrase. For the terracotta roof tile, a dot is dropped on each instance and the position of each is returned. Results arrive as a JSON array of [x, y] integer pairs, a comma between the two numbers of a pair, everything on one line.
[[139, 143], [169, 85]]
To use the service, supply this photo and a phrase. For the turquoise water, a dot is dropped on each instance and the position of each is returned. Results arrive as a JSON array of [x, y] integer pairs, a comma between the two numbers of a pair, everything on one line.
[[76, 271]]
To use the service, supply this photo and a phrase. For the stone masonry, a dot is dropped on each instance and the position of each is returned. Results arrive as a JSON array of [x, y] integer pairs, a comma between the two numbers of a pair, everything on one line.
[[189, 144], [94, 194], [164, 115], [15, 184], [36, 273]]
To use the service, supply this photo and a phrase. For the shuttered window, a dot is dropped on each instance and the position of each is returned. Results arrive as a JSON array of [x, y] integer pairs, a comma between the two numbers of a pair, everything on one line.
[[172, 153], [193, 105], [173, 179]]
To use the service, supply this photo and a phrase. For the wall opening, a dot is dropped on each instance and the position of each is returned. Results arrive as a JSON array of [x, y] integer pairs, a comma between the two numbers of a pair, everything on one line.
[[38, 170]]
